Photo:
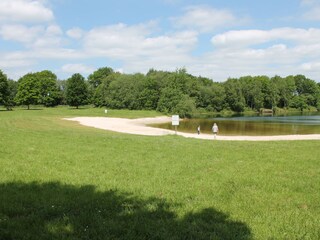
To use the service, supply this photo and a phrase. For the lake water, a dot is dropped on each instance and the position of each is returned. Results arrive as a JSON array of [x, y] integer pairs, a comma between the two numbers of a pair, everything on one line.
[[253, 126]]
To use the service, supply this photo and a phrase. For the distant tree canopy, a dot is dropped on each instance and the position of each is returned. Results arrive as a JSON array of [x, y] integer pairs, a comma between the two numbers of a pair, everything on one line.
[[4, 87], [168, 92], [38, 88], [76, 91], [181, 93], [96, 78], [4, 90]]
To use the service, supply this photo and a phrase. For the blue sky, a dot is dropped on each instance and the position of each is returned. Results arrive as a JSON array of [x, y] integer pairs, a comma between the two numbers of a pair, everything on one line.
[[215, 39]]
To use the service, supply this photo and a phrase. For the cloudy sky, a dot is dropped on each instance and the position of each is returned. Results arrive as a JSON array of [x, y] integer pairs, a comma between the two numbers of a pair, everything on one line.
[[212, 38]]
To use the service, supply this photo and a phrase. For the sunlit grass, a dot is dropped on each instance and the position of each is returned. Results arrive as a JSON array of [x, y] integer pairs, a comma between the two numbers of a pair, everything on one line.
[[56, 175]]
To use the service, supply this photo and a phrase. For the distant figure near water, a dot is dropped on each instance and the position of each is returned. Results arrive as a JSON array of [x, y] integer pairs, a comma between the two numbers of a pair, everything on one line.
[[215, 130], [198, 129]]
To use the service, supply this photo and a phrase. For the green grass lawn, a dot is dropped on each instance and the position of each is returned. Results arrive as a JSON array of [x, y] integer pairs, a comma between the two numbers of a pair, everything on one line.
[[61, 180]]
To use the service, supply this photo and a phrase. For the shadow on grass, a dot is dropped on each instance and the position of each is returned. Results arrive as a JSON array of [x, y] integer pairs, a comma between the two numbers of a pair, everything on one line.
[[32, 109], [55, 211], [79, 108]]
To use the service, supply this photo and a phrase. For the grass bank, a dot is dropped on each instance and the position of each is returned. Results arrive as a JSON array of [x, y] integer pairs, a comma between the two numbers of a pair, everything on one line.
[[60, 180]]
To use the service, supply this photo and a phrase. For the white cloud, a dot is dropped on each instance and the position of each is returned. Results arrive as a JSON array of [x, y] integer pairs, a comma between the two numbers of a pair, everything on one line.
[[243, 38], [34, 36], [313, 9], [77, 68], [282, 51], [15, 63], [313, 14], [20, 33], [205, 18], [24, 11], [130, 42], [310, 66], [76, 33], [50, 38], [53, 30], [118, 39]]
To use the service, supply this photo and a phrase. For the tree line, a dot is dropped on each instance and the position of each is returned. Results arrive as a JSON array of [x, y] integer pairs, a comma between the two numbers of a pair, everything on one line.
[[169, 92]]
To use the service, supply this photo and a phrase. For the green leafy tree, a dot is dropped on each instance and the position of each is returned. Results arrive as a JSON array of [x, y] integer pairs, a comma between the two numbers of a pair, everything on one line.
[[28, 90], [13, 88], [123, 92], [76, 91], [270, 93], [204, 100], [252, 91], [39, 88], [62, 88], [308, 89], [149, 95], [4, 90], [218, 97], [234, 95], [286, 89], [102, 96], [49, 91], [185, 108], [95, 79], [169, 99], [299, 102], [99, 98]]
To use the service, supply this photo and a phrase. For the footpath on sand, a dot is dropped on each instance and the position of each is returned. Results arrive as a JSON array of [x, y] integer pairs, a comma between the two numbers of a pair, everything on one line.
[[139, 127]]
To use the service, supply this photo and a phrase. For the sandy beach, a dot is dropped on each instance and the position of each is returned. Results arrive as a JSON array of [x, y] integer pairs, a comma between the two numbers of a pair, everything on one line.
[[139, 127]]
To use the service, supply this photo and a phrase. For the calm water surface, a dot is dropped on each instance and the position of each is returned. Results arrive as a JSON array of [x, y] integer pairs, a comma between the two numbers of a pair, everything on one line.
[[253, 126]]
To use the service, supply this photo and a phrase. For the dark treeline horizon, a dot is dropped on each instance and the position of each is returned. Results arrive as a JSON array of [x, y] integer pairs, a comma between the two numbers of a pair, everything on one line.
[[168, 92]]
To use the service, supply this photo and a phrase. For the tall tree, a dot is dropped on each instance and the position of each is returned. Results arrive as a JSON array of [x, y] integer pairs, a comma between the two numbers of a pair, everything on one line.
[[234, 95], [287, 89], [169, 99], [28, 90], [40, 88], [13, 88], [125, 91], [102, 96], [95, 79], [62, 88], [4, 89], [51, 95], [149, 95], [77, 91], [252, 91], [307, 88], [218, 98]]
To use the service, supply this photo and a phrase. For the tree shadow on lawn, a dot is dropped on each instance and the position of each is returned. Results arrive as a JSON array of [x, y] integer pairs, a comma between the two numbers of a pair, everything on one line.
[[56, 211], [79, 108], [32, 109]]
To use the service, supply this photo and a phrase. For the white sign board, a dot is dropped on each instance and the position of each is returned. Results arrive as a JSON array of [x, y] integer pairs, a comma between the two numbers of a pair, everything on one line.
[[175, 120], [106, 111]]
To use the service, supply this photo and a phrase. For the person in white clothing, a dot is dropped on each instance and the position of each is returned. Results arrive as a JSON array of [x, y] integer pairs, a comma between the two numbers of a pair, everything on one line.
[[215, 130]]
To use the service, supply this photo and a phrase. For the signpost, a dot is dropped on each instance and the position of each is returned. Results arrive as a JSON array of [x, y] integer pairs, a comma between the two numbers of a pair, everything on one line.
[[175, 122]]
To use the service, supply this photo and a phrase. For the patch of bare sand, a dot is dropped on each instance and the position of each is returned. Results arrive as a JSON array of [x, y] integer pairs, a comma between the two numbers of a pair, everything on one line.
[[139, 127]]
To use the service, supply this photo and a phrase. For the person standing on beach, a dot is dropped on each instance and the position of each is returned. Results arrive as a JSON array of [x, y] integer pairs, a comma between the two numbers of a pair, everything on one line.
[[215, 130], [198, 129]]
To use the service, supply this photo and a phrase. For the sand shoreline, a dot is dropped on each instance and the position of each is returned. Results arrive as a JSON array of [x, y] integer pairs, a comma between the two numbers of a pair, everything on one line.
[[139, 127]]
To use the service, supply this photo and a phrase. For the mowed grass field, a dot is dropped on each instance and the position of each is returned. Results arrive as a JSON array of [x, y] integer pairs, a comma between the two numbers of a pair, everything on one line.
[[61, 180]]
